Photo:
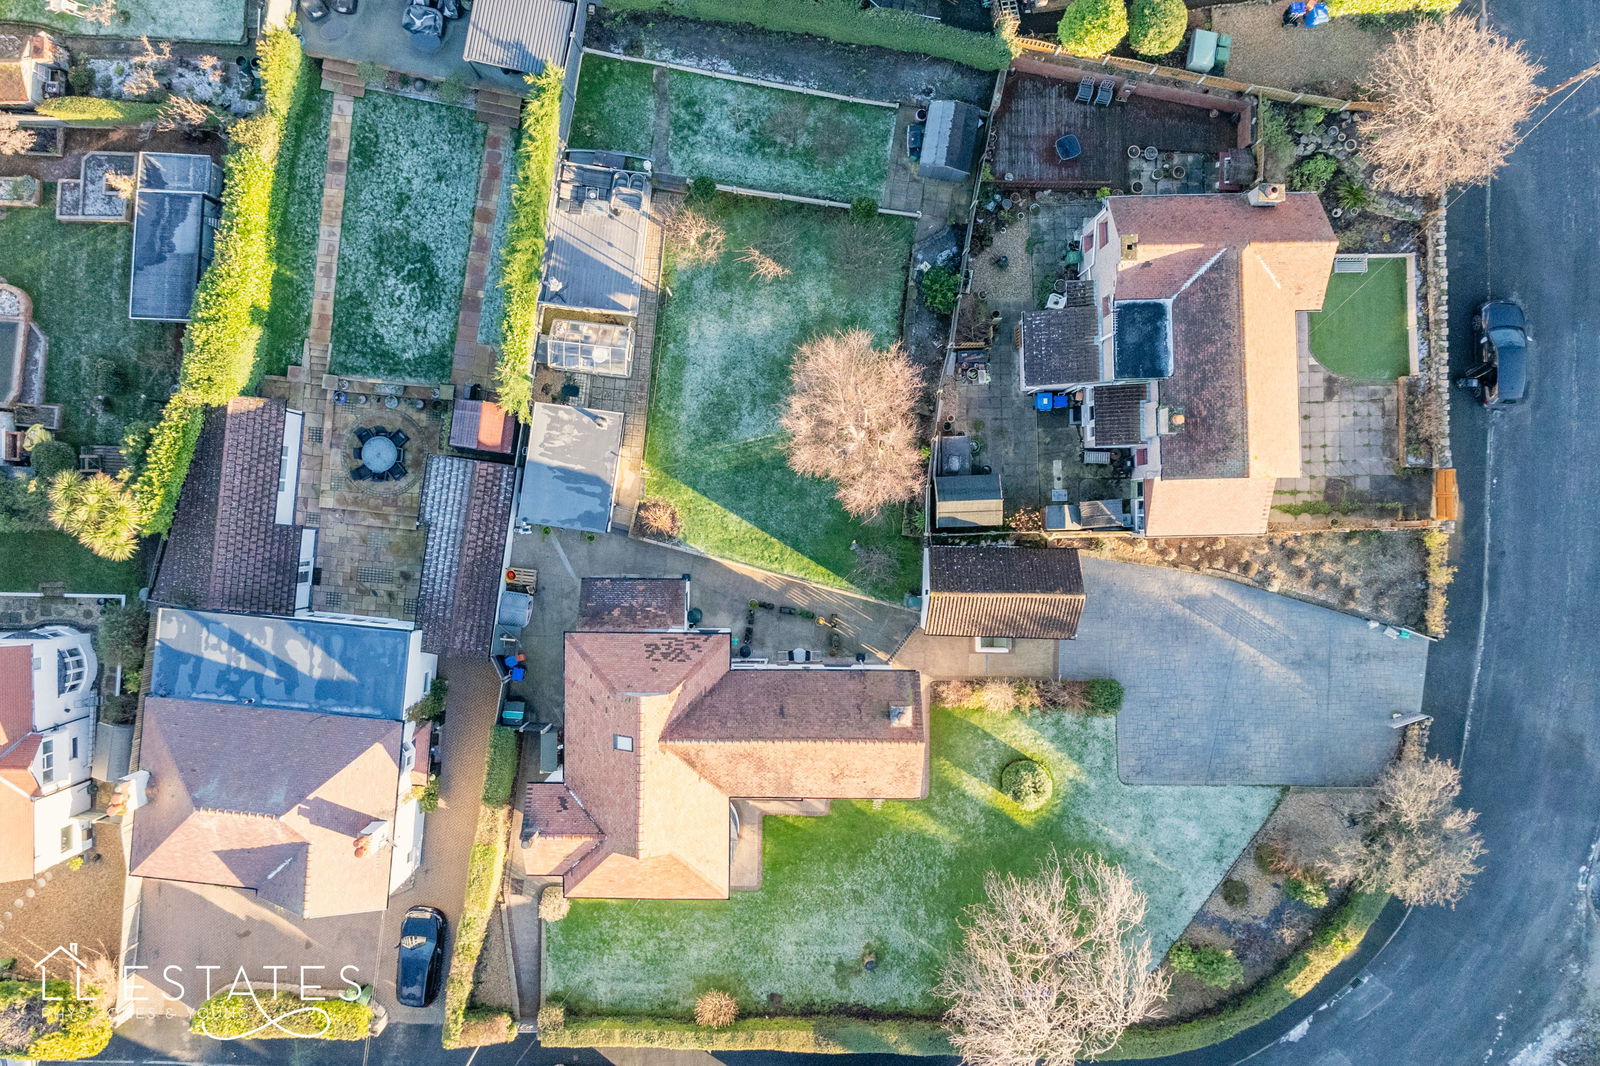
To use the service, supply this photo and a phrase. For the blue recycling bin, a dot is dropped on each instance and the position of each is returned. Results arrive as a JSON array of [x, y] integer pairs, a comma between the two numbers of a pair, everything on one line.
[[1041, 401], [1061, 401]]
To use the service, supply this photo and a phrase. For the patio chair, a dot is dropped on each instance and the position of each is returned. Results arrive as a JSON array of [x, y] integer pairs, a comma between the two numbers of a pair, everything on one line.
[[380, 431], [1102, 98], [363, 434], [400, 438], [1085, 90], [397, 471], [361, 473]]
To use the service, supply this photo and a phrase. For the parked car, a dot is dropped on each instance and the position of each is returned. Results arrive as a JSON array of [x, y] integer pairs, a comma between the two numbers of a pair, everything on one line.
[[416, 978], [344, 7], [1500, 376], [314, 10]]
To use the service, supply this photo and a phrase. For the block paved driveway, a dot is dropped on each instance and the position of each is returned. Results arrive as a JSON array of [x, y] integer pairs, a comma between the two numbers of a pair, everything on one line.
[[1228, 684]]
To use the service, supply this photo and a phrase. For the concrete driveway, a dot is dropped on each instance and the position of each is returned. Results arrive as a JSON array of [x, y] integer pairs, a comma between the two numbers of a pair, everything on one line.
[[1230, 685]]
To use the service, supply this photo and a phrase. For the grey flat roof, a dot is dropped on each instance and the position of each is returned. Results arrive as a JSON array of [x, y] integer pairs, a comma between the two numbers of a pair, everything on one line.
[[571, 474], [170, 249], [968, 500], [300, 664], [179, 172], [519, 34], [596, 240]]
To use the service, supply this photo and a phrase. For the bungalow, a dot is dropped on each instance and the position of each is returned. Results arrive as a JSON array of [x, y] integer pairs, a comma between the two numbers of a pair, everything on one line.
[[665, 732], [47, 719], [1184, 358], [998, 594]]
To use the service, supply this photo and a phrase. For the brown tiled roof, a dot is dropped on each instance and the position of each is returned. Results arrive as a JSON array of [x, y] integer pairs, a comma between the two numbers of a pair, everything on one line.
[[701, 733], [629, 604], [1022, 593], [18, 745], [1058, 347], [1207, 385], [466, 509], [1117, 414], [268, 800], [556, 831], [16, 693], [225, 551]]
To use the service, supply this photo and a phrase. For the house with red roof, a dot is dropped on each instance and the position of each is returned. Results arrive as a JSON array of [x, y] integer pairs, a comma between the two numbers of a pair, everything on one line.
[[47, 716]]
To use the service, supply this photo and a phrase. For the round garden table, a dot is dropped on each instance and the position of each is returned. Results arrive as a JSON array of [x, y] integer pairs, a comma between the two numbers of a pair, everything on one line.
[[379, 454]]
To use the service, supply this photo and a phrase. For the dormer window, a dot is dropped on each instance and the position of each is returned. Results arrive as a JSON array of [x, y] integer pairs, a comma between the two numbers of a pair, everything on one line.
[[621, 742]]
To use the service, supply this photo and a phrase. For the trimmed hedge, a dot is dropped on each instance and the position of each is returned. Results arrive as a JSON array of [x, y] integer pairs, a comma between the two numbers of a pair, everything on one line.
[[821, 1035], [224, 335], [1093, 27], [1156, 27], [846, 21], [1333, 940], [227, 1015], [522, 257], [94, 111], [1337, 8]]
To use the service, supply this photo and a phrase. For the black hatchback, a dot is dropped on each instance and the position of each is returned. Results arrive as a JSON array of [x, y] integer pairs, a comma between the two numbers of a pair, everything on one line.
[[416, 978], [1500, 376]]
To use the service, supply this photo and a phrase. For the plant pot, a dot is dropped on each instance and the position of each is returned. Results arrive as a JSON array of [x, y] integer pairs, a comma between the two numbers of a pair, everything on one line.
[[1137, 186], [1134, 151], [1151, 153], [1179, 171], [922, 114]]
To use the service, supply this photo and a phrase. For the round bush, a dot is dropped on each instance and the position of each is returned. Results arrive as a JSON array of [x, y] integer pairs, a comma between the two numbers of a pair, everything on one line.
[[715, 1009], [1307, 890], [940, 288], [1093, 27], [658, 519], [1027, 784], [50, 457], [1235, 893], [1156, 27], [1217, 967], [553, 904]]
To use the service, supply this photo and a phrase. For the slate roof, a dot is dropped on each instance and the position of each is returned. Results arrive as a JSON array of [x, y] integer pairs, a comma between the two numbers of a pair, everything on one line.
[[1058, 347], [1207, 385], [267, 800], [633, 603], [987, 591], [701, 733], [466, 509], [1117, 418], [951, 143], [225, 551]]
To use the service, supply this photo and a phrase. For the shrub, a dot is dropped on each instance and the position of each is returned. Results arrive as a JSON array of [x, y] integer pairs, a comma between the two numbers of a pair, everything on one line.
[[51, 457], [1268, 858], [715, 1009], [372, 74], [1308, 890], [702, 191], [1338, 8], [845, 20], [430, 708], [1235, 893], [122, 633], [1273, 130], [1104, 696], [1313, 173], [1093, 27], [940, 286], [428, 800], [487, 1025], [1352, 195], [657, 518], [1309, 120], [551, 1018], [453, 90], [231, 1016], [98, 510], [553, 904], [1156, 27], [1217, 967], [24, 505], [863, 209], [1027, 784], [107, 378], [522, 255]]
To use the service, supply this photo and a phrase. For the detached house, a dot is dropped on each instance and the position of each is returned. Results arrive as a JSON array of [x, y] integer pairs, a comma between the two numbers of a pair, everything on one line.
[[1182, 350], [47, 716], [666, 737]]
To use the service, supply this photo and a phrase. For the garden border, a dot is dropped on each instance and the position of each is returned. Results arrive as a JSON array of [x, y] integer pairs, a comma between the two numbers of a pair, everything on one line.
[[740, 77]]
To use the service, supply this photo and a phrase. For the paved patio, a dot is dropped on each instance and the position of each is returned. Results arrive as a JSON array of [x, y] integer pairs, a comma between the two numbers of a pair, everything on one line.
[[1227, 684], [1347, 428]]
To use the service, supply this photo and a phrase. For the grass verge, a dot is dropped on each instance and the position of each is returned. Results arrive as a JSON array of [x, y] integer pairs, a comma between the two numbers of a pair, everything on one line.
[[822, 1035], [96, 111], [1361, 330]]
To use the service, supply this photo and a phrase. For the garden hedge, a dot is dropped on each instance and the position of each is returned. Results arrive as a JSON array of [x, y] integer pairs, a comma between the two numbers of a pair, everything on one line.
[[1156, 27], [846, 21], [221, 342], [1093, 27], [820, 1035], [522, 257], [1337, 8], [228, 1015]]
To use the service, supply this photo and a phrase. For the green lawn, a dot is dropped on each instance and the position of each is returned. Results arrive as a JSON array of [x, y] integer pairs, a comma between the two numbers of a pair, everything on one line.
[[723, 346], [413, 182], [192, 20], [35, 556], [894, 880], [297, 207], [1361, 330], [77, 275], [739, 134]]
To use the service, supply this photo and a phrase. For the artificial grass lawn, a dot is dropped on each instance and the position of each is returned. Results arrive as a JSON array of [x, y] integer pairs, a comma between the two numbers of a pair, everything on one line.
[[192, 20], [749, 135], [895, 880], [723, 346], [410, 193], [297, 210], [77, 275], [1361, 330], [35, 556]]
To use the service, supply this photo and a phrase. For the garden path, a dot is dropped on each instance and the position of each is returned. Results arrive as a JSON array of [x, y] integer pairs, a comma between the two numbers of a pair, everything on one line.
[[473, 361]]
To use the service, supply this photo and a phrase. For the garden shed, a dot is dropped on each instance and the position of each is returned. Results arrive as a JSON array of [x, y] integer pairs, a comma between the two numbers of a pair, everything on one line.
[[950, 143], [519, 36]]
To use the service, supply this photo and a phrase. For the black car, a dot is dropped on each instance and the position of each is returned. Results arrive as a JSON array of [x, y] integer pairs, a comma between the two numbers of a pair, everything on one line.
[[1500, 376], [314, 10], [416, 977]]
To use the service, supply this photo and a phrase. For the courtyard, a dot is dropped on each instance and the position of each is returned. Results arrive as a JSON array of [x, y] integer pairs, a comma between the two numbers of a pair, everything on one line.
[[724, 343], [889, 881]]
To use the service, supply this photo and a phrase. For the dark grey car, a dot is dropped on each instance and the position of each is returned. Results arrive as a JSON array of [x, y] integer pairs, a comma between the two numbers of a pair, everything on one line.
[[1500, 375], [416, 977]]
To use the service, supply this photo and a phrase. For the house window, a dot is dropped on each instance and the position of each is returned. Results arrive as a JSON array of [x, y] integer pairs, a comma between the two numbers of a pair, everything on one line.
[[1105, 304], [1088, 242], [66, 839], [70, 670], [74, 755], [621, 742], [1105, 231], [993, 645], [47, 762]]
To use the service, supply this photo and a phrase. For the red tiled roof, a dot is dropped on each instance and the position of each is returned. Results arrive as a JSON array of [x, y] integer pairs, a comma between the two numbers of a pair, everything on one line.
[[16, 694], [18, 745], [482, 426]]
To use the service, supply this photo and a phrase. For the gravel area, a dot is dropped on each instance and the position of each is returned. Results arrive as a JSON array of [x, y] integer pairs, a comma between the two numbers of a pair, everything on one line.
[[1331, 59], [66, 906]]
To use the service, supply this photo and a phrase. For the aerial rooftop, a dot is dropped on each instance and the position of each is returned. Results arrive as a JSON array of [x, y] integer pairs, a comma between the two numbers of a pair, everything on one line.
[[596, 236]]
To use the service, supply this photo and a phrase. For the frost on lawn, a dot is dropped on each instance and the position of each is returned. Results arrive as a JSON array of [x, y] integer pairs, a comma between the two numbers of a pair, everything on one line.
[[190, 20]]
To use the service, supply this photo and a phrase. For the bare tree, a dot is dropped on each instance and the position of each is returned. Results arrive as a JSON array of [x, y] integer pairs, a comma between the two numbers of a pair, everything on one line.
[[1417, 843], [99, 14], [1454, 94], [875, 567], [851, 419], [14, 137], [695, 238], [763, 266], [181, 113], [1052, 967]]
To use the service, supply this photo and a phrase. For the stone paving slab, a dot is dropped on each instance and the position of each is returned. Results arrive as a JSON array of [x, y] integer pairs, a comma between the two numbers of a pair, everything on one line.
[[1230, 685]]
